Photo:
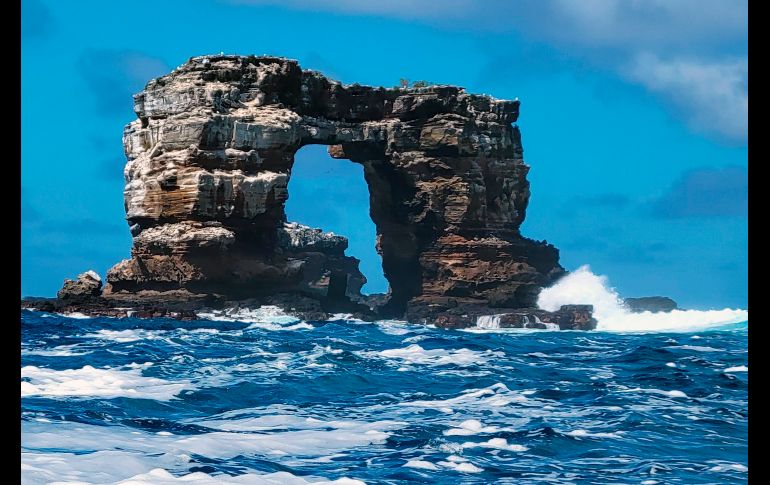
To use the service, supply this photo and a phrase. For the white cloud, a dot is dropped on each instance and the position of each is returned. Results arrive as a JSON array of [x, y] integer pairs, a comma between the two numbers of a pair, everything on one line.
[[600, 23], [644, 24], [713, 94], [630, 37]]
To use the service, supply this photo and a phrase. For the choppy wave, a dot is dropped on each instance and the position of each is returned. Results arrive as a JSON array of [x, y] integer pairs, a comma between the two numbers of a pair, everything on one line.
[[584, 287], [89, 382], [241, 398]]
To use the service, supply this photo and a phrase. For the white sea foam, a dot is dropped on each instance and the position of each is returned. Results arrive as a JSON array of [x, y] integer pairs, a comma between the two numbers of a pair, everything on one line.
[[470, 427], [415, 354], [582, 433], [160, 476], [724, 467], [395, 327], [673, 393], [494, 396], [696, 348], [425, 465], [320, 440], [77, 315], [266, 317], [58, 351], [464, 466], [94, 468], [495, 443], [740, 368], [729, 467], [280, 421], [584, 287], [348, 317], [89, 382], [123, 336]]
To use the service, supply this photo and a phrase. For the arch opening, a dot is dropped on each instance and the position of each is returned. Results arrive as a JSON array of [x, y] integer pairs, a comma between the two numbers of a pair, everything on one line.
[[332, 194]]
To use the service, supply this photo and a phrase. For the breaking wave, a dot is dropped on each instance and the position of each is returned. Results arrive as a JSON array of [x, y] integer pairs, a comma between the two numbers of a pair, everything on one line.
[[584, 287]]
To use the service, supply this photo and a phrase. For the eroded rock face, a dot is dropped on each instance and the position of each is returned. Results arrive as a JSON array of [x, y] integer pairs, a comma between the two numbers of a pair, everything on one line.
[[88, 284], [211, 154]]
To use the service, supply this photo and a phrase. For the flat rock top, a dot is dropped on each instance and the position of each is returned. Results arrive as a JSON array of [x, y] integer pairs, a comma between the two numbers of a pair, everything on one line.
[[294, 87]]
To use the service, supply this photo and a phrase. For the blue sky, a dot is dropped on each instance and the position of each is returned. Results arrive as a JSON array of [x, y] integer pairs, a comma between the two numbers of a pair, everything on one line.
[[633, 119]]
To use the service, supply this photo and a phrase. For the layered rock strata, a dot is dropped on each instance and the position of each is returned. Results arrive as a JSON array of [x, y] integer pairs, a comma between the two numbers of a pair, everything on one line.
[[210, 156]]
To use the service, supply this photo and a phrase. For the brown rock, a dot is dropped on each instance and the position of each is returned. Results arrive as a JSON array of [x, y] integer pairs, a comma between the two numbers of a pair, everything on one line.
[[210, 157], [88, 285]]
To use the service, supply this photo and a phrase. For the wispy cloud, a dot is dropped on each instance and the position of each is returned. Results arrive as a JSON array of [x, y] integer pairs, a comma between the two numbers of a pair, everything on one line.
[[706, 192], [115, 75], [713, 95], [636, 25], [676, 49]]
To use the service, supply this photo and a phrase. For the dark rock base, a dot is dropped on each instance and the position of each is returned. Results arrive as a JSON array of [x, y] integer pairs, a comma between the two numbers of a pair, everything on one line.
[[444, 313]]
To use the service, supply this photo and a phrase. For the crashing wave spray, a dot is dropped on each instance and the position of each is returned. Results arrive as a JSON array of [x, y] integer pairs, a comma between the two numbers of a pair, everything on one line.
[[584, 287], [488, 321]]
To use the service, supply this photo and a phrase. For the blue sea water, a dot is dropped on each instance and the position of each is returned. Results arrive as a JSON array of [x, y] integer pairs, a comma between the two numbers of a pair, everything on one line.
[[264, 398]]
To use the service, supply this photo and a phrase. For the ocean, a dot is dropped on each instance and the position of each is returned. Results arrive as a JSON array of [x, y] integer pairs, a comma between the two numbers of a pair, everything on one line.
[[259, 397]]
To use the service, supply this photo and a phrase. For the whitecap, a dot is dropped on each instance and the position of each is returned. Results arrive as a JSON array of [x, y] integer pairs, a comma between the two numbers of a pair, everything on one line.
[[470, 427], [740, 368], [76, 315], [696, 348], [267, 317], [584, 287], [90, 383], [495, 443], [673, 393], [729, 467], [582, 433], [464, 467], [495, 396], [321, 439], [123, 336], [58, 351], [422, 464], [415, 354], [160, 476]]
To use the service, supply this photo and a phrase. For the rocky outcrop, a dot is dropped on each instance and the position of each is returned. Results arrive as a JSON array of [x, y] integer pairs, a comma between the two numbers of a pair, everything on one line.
[[324, 263], [87, 285], [211, 154], [650, 304]]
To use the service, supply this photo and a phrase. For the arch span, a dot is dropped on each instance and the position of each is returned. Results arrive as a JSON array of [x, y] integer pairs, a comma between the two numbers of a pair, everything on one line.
[[210, 156]]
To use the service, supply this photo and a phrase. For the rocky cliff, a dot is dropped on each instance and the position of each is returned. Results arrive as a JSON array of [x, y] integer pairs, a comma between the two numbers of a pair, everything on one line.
[[211, 153]]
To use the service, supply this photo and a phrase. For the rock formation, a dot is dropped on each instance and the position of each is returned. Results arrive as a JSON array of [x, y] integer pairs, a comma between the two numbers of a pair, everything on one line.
[[650, 304], [211, 153], [88, 284]]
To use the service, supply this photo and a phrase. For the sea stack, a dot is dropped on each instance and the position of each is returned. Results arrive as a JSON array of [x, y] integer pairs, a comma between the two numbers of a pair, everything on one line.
[[209, 159]]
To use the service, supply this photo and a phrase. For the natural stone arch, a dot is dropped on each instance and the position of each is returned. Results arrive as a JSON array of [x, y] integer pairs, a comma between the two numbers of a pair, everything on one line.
[[211, 153]]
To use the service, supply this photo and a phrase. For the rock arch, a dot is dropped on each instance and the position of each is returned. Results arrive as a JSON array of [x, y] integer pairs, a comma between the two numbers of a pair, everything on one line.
[[211, 153]]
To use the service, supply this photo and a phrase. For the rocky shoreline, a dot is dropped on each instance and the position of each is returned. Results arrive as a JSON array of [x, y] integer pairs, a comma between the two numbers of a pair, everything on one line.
[[183, 306]]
